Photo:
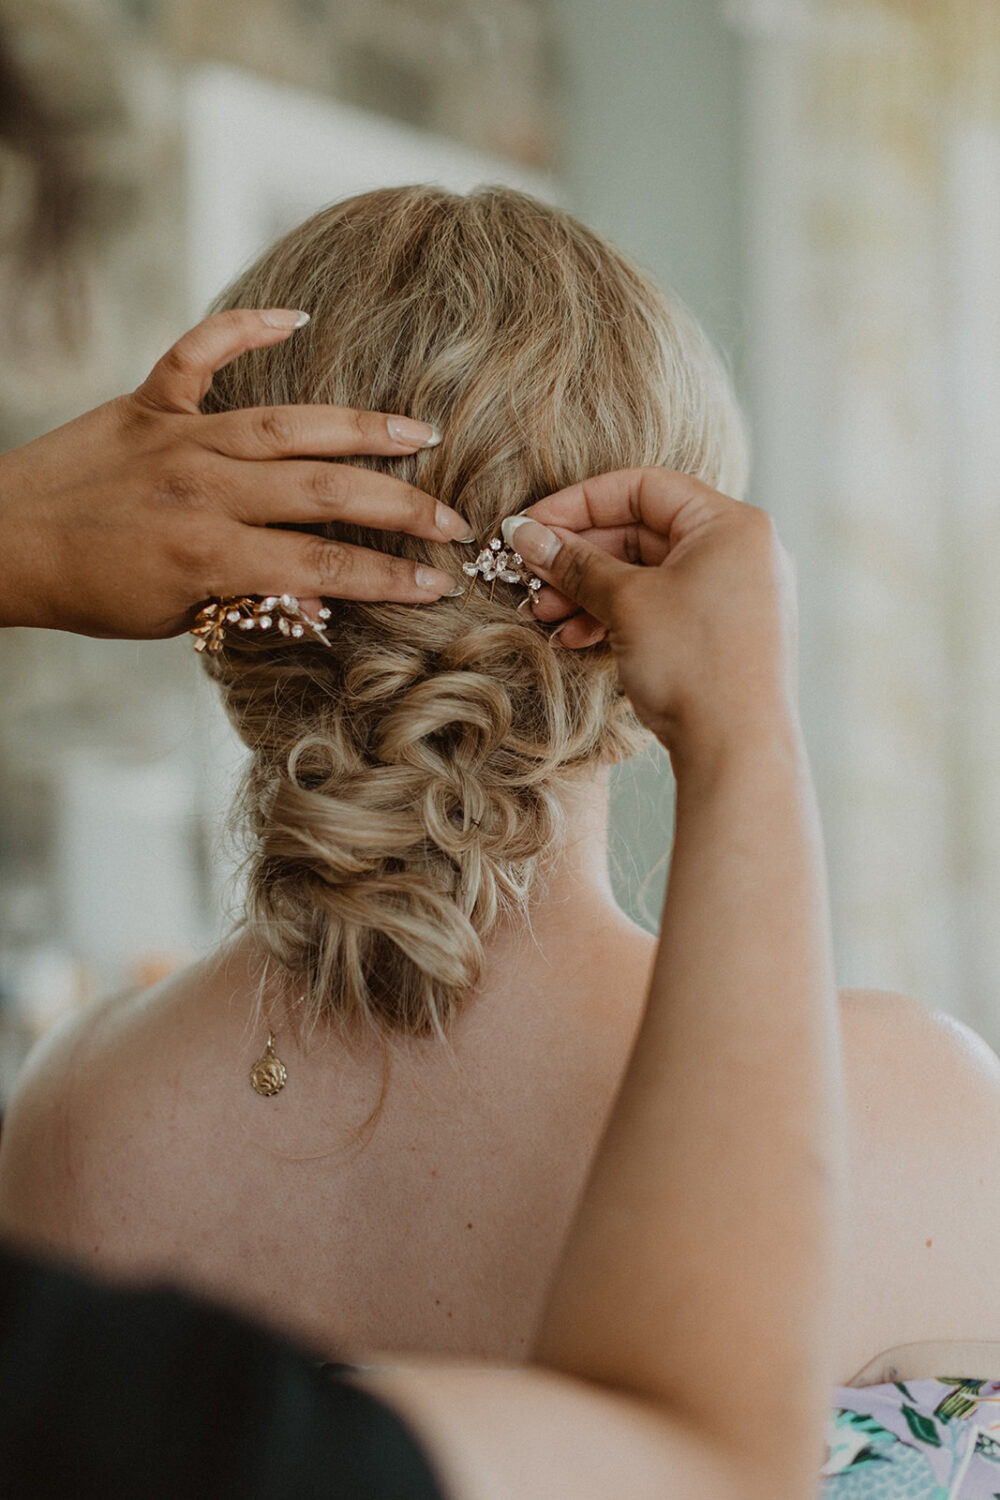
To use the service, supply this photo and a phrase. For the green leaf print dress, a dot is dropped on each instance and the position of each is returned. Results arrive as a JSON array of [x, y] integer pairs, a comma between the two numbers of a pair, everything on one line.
[[914, 1440]]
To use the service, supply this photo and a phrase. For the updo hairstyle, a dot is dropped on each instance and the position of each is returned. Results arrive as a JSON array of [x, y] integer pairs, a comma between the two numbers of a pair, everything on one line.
[[407, 786]]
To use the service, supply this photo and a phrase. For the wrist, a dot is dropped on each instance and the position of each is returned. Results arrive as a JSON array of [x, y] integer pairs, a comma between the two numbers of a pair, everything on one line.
[[704, 754], [23, 597]]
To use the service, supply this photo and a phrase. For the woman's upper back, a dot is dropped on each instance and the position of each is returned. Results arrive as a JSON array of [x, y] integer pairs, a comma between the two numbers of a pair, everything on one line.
[[422, 1205], [409, 1198]]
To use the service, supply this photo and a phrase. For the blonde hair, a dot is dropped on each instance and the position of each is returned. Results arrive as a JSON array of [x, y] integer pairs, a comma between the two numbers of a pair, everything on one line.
[[407, 785]]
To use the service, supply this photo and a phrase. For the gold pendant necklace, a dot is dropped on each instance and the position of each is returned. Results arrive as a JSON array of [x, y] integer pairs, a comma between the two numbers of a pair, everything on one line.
[[268, 1075]]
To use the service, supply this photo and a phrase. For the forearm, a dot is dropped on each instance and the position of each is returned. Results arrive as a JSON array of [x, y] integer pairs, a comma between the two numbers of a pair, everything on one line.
[[721, 1169]]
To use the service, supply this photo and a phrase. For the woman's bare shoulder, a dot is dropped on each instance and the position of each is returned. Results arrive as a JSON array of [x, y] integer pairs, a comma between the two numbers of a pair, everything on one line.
[[914, 1074], [72, 1101], [923, 1100], [870, 1015], [40, 1123]]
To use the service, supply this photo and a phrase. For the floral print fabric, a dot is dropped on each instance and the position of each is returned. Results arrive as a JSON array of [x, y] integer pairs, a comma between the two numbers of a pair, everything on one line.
[[914, 1440]]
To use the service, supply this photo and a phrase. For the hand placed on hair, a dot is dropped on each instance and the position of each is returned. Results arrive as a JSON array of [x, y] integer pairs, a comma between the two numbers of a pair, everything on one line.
[[693, 591], [126, 520]]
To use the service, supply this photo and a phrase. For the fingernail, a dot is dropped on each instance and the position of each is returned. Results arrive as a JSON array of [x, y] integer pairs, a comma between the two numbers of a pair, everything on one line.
[[406, 430], [451, 524], [284, 317], [443, 585], [536, 543]]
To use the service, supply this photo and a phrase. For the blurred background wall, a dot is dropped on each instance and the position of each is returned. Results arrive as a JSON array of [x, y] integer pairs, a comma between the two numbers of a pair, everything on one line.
[[818, 179]]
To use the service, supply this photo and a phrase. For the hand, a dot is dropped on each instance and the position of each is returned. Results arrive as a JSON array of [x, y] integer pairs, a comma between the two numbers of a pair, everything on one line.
[[126, 520], [701, 617]]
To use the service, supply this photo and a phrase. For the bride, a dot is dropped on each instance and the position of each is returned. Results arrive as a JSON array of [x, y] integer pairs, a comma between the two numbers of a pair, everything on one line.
[[432, 986]]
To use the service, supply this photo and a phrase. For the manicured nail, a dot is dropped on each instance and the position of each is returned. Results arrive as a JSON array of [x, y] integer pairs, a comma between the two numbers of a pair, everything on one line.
[[413, 434], [436, 582], [284, 317], [536, 543], [451, 524]]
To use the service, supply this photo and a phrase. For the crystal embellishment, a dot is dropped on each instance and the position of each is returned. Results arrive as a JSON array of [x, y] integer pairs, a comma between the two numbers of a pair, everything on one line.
[[499, 562]]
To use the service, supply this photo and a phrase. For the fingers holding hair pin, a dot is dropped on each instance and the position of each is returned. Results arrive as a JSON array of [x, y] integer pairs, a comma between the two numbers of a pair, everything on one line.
[[285, 614]]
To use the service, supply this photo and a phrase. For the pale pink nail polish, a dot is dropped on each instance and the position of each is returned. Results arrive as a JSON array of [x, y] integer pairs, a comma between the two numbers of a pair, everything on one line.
[[413, 433], [284, 317], [535, 542], [436, 582]]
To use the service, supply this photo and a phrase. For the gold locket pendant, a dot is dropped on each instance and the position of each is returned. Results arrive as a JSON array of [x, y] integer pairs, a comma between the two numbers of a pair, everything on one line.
[[268, 1075]]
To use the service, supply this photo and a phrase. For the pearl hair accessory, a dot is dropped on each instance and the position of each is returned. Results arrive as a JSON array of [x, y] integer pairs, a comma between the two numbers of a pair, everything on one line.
[[284, 613], [281, 612]]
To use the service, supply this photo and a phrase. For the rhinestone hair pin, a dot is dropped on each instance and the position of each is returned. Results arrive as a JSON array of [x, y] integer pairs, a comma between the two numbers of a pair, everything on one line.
[[498, 561], [280, 612]]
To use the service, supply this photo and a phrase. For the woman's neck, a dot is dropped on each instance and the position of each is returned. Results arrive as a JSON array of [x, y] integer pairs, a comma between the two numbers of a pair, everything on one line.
[[575, 905]]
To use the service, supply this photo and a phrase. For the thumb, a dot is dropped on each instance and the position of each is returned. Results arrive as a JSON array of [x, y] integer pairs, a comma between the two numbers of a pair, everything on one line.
[[584, 573]]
